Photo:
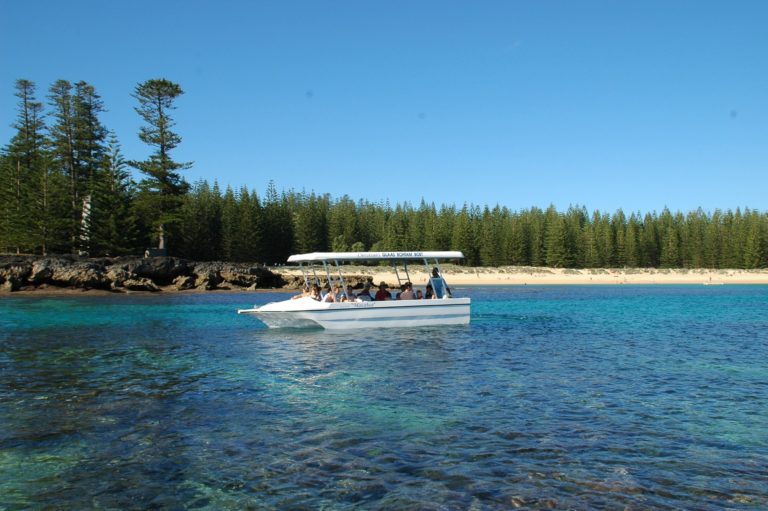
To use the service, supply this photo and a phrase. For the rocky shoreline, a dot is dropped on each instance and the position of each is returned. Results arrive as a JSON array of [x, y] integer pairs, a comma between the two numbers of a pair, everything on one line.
[[126, 274], [70, 273]]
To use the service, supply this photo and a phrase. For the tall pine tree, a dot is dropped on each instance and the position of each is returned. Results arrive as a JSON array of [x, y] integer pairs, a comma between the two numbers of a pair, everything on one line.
[[111, 225], [26, 188], [161, 191]]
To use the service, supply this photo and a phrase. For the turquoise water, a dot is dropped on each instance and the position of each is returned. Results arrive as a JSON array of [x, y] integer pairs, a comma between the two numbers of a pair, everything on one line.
[[620, 397]]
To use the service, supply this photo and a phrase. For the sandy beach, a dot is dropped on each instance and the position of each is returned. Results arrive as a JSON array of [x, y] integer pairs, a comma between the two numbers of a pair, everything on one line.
[[522, 275]]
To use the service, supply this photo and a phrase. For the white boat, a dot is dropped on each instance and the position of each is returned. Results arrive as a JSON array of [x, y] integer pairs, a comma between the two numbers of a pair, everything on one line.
[[354, 313]]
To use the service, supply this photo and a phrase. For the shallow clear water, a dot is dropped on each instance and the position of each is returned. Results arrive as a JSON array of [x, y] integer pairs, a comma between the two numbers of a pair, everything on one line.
[[594, 397]]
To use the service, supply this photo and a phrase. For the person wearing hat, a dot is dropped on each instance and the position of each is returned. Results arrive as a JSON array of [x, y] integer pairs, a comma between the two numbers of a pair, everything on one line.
[[382, 294]]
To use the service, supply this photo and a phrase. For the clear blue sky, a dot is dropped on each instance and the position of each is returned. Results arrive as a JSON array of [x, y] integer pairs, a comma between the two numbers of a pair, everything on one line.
[[610, 104]]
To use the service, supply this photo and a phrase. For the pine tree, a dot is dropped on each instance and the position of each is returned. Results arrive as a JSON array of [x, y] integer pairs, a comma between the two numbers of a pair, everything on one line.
[[670, 248], [200, 228], [619, 230], [64, 154], [693, 239], [631, 242], [26, 187], [445, 225], [77, 152], [465, 236], [738, 238], [535, 229], [310, 221], [554, 235], [591, 258], [490, 249], [6, 200], [90, 134], [670, 254], [342, 223], [278, 227], [372, 219], [90, 137], [711, 246], [396, 234], [417, 227], [575, 219], [112, 228], [230, 226], [516, 241], [649, 241], [728, 238], [161, 191], [755, 243], [250, 234], [429, 223], [604, 240]]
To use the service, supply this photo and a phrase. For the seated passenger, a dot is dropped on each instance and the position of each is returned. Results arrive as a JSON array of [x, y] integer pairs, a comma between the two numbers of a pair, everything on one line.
[[429, 294], [407, 293], [419, 294], [304, 293], [314, 292], [330, 296], [365, 294], [337, 293], [382, 294]]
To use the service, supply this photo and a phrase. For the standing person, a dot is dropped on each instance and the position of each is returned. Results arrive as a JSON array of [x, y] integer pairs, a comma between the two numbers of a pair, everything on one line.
[[382, 294], [438, 284]]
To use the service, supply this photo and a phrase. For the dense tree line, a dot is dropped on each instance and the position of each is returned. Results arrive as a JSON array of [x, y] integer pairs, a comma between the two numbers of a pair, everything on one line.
[[65, 187], [240, 226]]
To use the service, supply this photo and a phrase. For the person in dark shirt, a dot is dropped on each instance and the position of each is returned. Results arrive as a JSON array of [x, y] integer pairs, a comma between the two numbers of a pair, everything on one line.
[[441, 289], [365, 294]]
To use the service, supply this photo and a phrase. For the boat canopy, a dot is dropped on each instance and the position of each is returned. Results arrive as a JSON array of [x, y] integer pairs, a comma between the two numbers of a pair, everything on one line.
[[373, 256]]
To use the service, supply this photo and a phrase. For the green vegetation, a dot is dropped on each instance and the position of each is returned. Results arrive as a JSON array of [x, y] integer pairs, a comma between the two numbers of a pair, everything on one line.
[[160, 193], [65, 188]]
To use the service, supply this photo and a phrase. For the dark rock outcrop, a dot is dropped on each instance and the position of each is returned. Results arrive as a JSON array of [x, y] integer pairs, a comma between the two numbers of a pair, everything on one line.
[[14, 272], [130, 274]]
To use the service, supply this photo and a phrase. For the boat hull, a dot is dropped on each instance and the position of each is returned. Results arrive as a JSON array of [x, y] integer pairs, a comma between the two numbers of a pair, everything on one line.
[[355, 315]]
